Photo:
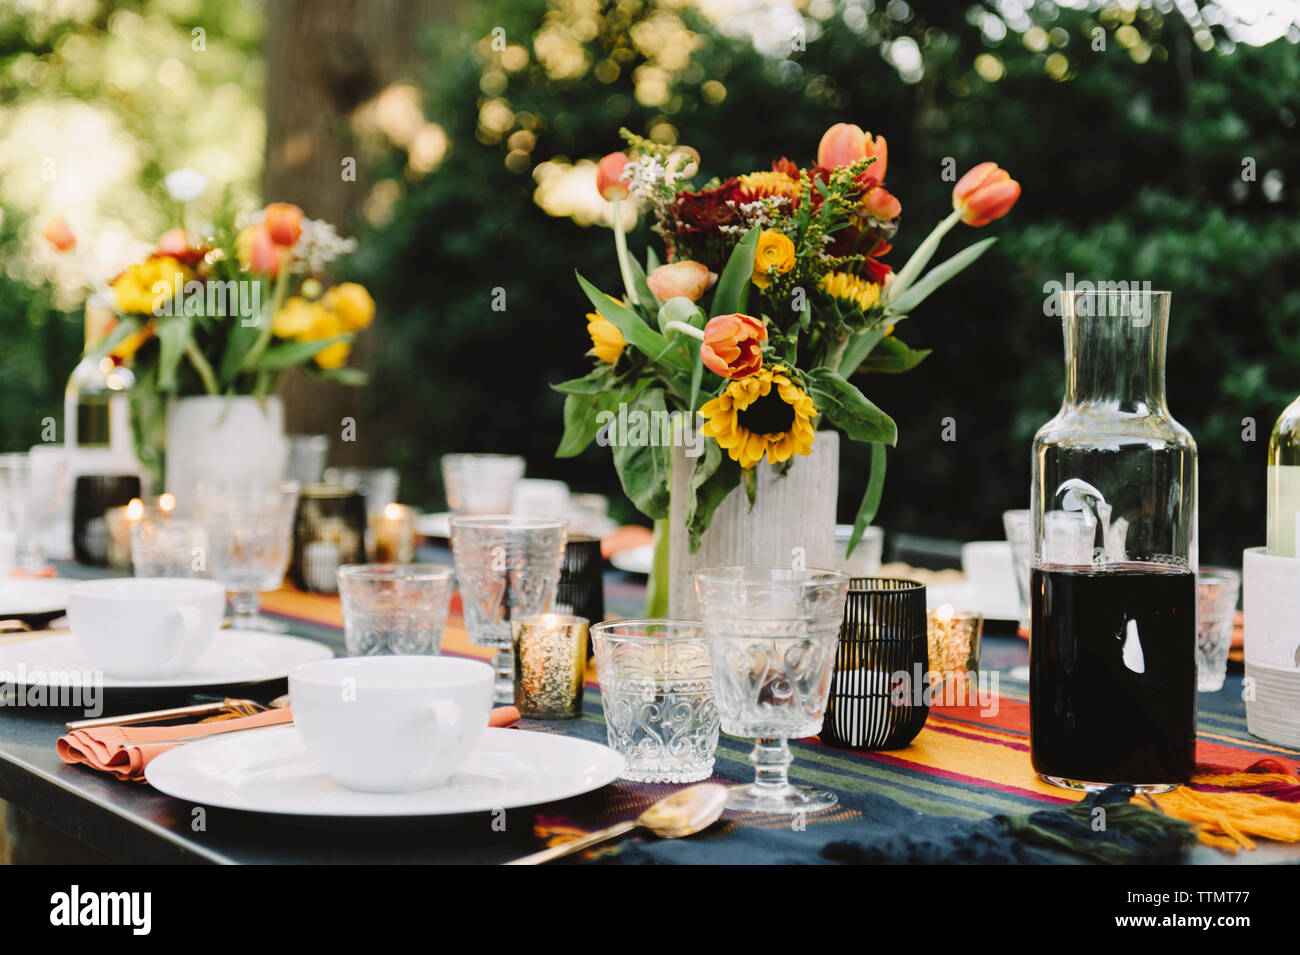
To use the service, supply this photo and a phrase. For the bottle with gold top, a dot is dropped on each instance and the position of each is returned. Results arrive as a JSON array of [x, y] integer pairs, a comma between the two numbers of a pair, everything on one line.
[[1284, 482]]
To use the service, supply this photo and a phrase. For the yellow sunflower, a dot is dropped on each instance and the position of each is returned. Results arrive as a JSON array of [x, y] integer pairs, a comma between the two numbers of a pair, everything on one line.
[[766, 413], [759, 184], [606, 340], [851, 288]]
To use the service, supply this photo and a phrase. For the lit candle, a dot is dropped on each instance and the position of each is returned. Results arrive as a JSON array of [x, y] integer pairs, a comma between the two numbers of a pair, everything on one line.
[[550, 663], [953, 637], [393, 535]]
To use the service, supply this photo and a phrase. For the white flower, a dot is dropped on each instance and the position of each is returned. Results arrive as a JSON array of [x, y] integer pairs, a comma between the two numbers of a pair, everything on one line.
[[185, 185], [319, 245]]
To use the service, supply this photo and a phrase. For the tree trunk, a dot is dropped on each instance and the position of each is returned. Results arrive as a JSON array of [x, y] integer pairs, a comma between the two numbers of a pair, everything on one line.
[[324, 59]]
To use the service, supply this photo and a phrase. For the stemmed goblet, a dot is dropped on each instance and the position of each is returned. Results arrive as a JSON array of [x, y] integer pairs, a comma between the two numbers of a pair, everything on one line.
[[250, 537], [772, 634]]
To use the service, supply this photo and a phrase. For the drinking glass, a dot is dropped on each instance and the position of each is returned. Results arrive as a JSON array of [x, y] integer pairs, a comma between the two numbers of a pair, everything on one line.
[[1019, 527], [656, 687], [481, 483], [508, 566], [1216, 608], [163, 546], [377, 485], [15, 510], [250, 538], [308, 454], [397, 609], [772, 635]]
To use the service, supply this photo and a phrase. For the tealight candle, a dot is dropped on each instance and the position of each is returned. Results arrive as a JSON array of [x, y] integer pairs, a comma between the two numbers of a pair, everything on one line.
[[954, 639], [550, 663], [393, 535]]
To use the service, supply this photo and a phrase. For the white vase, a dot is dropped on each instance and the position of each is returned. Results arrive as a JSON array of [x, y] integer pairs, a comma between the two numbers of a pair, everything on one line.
[[791, 522], [223, 439]]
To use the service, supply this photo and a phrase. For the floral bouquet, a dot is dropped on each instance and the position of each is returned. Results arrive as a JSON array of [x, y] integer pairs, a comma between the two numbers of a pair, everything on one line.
[[227, 313], [774, 285]]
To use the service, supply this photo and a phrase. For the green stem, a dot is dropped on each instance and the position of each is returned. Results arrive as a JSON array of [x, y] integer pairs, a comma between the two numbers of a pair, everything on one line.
[[656, 595], [268, 318], [201, 366], [921, 257], [620, 245], [685, 329]]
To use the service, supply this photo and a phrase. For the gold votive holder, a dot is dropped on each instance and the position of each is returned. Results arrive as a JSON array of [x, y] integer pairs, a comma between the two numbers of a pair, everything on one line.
[[392, 534], [550, 665], [117, 522], [954, 640]]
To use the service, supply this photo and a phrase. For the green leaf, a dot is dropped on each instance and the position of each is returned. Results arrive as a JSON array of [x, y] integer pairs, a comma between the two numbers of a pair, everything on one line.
[[582, 414], [590, 384], [343, 375], [849, 409], [633, 328], [892, 357], [938, 275], [714, 477], [871, 499], [172, 336], [238, 342], [123, 330], [732, 291], [647, 298], [749, 478], [651, 259], [645, 468], [293, 354], [859, 347]]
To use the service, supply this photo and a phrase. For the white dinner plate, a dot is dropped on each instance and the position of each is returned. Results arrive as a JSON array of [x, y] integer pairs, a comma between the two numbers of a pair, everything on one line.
[[22, 596], [270, 771], [635, 560], [236, 656], [434, 525]]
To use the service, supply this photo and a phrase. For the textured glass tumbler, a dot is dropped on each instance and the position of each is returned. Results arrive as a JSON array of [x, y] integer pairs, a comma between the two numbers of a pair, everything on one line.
[[250, 538], [772, 635], [394, 609], [656, 687], [507, 567], [1216, 608], [481, 483], [163, 546]]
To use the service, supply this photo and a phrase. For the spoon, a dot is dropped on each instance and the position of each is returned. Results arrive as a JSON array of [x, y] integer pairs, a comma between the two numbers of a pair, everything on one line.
[[684, 813]]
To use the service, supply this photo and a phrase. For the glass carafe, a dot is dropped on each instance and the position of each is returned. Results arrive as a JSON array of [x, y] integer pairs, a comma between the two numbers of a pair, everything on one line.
[[1112, 688]]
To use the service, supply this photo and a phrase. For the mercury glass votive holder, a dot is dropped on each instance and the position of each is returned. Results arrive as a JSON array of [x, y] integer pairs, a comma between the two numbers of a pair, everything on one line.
[[392, 534], [550, 664], [954, 638]]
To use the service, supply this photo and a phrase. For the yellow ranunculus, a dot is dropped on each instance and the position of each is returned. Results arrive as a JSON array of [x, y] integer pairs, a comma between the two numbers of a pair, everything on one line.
[[297, 318], [333, 356], [143, 287], [607, 342], [352, 304], [775, 251]]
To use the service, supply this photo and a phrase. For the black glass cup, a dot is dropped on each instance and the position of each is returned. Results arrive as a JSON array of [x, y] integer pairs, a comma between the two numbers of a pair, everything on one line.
[[328, 532], [581, 590], [92, 496], [877, 698]]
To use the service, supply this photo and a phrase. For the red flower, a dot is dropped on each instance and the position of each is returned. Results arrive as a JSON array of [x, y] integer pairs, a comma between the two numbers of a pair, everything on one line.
[[731, 346]]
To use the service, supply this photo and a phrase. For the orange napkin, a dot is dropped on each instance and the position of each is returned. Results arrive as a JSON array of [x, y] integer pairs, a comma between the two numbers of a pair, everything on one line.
[[625, 538], [125, 751]]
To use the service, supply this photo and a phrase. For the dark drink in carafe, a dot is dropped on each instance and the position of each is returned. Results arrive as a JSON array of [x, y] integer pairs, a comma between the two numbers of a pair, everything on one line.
[[1112, 660]]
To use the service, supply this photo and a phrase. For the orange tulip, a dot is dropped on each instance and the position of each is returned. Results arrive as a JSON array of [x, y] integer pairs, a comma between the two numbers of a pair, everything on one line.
[[984, 194], [731, 345], [609, 172], [283, 223], [265, 254], [844, 144], [880, 204], [685, 278], [60, 234]]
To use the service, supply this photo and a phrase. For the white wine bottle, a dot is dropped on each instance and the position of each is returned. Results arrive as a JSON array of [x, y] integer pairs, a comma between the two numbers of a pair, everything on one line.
[[1284, 482]]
